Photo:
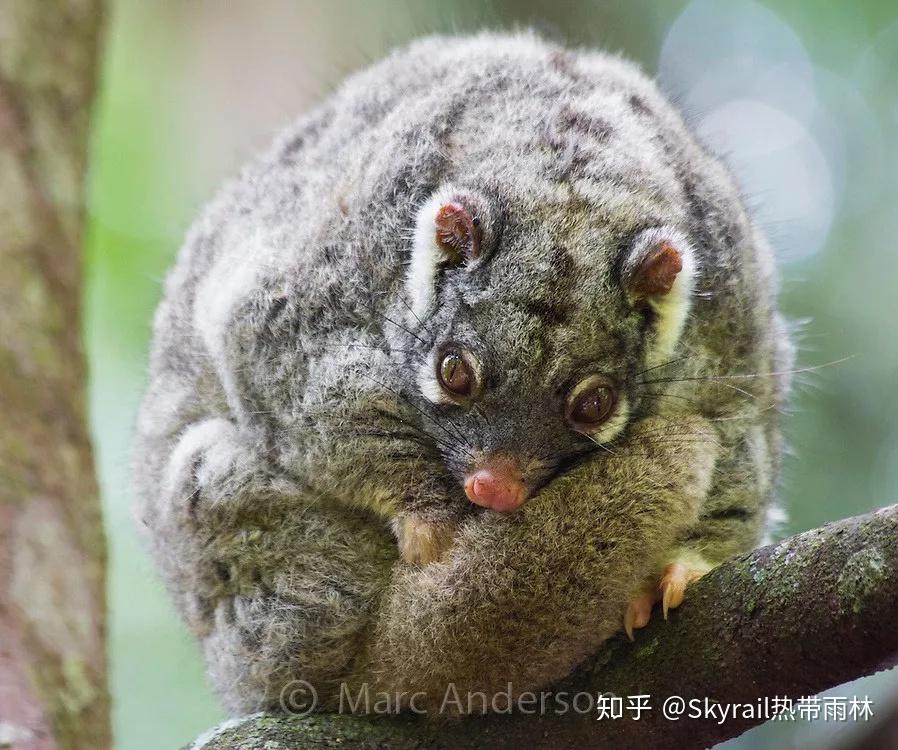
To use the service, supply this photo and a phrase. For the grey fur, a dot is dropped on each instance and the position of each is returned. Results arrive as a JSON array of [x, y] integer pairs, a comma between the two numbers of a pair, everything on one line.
[[284, 428]]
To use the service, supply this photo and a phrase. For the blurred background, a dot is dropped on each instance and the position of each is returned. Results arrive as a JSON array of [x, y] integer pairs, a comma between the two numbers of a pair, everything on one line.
[[801, 99]]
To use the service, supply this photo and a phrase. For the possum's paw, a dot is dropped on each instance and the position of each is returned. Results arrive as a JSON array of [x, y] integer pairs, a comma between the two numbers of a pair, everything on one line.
[[677, 576], [669, 590], [203, 454], [639, 610], [422, 541], [212, 469]]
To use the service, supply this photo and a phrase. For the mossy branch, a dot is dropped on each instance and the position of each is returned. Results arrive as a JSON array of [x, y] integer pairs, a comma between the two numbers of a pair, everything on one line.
[[789, 619]]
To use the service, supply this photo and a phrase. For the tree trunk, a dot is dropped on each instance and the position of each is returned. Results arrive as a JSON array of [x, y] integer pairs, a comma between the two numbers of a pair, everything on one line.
[[764, 629], [53, 690]]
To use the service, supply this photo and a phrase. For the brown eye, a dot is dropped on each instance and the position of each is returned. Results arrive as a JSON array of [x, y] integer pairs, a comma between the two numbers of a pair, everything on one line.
[[455, 375], [591, 402]]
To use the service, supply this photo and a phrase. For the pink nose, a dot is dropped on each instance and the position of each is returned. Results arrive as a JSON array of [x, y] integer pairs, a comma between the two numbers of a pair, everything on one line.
[[496, 488]]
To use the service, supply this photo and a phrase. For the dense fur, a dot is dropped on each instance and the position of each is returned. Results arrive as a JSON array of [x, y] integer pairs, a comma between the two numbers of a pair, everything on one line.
[[291, 412]]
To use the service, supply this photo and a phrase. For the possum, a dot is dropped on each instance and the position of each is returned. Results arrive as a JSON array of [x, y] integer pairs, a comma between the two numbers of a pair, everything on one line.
[[477, 364]]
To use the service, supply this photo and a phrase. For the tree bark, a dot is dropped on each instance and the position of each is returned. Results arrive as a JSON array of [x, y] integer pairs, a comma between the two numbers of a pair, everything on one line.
[[785, 621], [53, 690]]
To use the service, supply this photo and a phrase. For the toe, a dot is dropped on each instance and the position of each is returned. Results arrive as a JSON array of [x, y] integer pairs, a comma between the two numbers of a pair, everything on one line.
[[669, 590], [676, 577], [639, 612], [672, 590]]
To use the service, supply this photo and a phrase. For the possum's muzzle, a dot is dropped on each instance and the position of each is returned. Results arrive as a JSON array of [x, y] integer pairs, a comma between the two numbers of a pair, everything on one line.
[[497, 483]]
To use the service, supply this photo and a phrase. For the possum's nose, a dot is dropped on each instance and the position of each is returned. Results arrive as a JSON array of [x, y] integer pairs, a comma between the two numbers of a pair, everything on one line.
[[496, 485]]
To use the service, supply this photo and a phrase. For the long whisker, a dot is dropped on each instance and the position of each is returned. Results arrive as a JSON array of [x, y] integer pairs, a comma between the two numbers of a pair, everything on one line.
[[353, 345], [663, 364], [679, 396], [420, 411], [683, 438], [401, 327], [629, 453], [601, 445], [456, 428], [752, 415], [717, 380], [443, 443], [409, 308], [750, 375], [410, 438]]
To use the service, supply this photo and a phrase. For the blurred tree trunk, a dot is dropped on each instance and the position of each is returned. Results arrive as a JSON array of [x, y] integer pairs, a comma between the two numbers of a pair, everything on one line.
[[52, 651]]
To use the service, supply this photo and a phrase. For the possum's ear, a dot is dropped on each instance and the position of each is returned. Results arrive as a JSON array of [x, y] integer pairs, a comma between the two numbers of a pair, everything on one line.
[[457, 232], [452, 229], [659, 275]]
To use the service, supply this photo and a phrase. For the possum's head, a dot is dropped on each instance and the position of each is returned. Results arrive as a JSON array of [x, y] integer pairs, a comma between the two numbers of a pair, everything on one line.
[[548, 207], [534, 327]]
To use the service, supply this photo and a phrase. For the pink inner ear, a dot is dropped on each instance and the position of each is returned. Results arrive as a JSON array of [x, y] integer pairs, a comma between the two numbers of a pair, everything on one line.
[[657, 272], [457, 231]]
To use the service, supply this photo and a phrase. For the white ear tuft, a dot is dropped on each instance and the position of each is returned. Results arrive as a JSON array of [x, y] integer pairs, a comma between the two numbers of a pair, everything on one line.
[[661, 271], [451, 229], [426, 254]]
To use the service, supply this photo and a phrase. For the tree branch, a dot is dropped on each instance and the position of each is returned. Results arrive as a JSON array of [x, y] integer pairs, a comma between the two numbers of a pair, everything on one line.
[[791, 619]]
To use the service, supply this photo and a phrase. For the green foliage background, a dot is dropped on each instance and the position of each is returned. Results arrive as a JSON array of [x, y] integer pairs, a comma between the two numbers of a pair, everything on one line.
[[178, 75]]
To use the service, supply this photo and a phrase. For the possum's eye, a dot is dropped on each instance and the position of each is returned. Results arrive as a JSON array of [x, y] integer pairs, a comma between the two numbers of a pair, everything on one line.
[[456, 375], [590, 403]]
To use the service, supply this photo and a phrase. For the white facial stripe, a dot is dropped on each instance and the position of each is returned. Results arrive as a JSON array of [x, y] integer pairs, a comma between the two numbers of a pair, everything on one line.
[[428, 384], [426, 255]]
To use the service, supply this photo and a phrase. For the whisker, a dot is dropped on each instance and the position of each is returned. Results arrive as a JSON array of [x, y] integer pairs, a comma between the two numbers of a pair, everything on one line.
[[677, 395], [353, 345], [412, 435], [407, 330], [601, 445], [663, 364], [458, 430], [717, 379], [752, 415], [749, 375], [422, 413], [401, 327], [682, 439], [408, 307], [449, 445]]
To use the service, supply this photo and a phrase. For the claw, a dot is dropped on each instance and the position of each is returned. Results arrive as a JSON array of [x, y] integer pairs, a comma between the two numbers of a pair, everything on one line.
[[670, 591], [671, 597], [639, 612], [677, 576]]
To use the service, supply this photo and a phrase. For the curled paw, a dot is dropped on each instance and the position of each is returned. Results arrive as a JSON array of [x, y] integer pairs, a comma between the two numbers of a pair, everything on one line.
[[669, 589], [422, 541]]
